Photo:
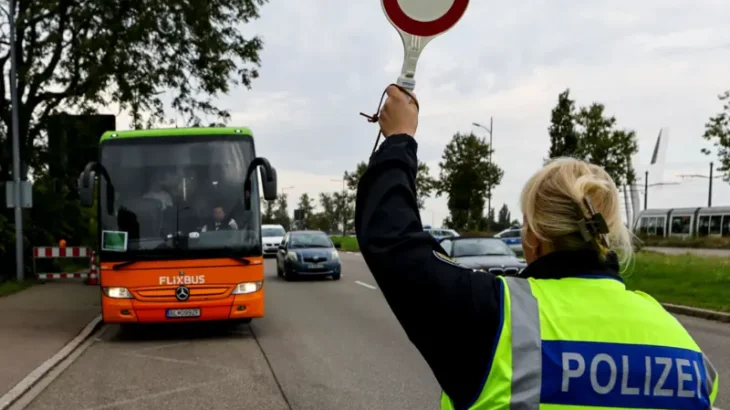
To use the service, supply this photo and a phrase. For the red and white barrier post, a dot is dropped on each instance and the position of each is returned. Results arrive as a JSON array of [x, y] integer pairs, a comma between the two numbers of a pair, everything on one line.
[[58, 252]]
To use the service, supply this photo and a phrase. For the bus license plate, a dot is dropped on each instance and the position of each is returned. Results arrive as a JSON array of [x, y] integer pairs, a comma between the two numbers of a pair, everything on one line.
[[175, 313]]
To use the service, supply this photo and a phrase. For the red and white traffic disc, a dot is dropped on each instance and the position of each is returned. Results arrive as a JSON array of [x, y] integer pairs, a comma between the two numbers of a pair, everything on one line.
[[424, 18]]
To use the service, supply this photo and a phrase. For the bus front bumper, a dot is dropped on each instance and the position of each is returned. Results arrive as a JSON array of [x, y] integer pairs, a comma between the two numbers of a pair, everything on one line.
[[234, 307]]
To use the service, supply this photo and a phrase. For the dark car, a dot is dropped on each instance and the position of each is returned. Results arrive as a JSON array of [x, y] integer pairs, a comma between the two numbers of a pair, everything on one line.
[[308, 253], [489, 254]]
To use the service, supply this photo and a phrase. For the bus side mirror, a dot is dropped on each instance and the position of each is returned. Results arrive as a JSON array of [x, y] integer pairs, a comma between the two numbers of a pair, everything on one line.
[[268, 179], [86, 192], [87, 182]]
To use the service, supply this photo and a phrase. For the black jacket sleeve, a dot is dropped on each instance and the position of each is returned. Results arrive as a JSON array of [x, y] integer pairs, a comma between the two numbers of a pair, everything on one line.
[[450, 313]]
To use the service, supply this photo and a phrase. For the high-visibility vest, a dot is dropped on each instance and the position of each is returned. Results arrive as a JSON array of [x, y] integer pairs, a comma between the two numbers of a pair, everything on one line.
[[588, 343]]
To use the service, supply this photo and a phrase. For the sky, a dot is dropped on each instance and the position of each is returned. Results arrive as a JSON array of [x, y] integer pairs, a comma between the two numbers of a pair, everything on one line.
[[653, 63]]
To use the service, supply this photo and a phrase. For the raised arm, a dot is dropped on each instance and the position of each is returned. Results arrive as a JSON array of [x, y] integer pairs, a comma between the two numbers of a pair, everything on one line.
[[450, 313]]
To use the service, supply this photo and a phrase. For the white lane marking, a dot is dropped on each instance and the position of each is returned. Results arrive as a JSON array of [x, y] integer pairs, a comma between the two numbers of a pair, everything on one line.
[[365, 284]]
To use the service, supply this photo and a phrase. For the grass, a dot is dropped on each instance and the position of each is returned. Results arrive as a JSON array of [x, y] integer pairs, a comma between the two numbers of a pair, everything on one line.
[[673, 242], [10, 287], [348, 243], [682, 279], [678, 279]]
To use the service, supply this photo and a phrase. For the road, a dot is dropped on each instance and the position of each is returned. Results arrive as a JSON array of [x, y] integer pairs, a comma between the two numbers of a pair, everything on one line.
[[323, 345]]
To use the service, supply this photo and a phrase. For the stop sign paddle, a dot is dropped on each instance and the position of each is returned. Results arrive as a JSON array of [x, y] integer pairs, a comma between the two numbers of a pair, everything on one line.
[[418, 22]]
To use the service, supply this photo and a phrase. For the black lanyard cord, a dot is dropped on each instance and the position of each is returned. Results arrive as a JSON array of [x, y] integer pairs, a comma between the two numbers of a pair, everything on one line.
[[376, 116]]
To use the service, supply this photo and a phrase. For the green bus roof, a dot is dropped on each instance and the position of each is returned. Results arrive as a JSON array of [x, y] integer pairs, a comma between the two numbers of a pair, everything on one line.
[[176, 132]]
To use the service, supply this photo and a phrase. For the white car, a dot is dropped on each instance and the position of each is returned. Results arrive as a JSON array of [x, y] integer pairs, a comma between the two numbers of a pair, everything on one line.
[[271, 237]]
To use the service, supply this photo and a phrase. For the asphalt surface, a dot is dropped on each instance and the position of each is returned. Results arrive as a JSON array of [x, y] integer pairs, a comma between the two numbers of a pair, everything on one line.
[[322, 345]]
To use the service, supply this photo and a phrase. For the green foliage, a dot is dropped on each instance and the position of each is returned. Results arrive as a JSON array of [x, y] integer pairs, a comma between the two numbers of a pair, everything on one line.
[[591, 135], [307, 208], [466, 176], [425, 185], [78, 56], [563, 136], [717, 131], [281, 214]]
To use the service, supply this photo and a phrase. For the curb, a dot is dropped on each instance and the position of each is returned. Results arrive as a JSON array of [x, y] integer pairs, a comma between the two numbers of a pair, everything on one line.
[[699, 313], [31, 379]]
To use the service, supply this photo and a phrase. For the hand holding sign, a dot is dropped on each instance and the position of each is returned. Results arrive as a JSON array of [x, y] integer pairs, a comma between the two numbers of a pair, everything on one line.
[[418, 22]]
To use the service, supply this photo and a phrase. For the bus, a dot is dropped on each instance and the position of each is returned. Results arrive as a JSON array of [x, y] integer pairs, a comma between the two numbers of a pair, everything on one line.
[[179, 224]]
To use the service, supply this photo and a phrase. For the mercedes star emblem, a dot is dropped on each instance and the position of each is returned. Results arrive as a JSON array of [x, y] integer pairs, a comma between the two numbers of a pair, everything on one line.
[[182, 273], [182, 293]]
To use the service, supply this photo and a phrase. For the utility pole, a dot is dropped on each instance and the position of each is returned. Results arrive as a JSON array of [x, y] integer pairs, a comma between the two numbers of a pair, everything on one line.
[[646, 188], [709, 193], [489, 187], [17, 177]]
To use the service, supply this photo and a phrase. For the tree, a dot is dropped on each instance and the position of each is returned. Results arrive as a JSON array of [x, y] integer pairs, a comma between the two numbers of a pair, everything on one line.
[[80, 55], [466, 174], [503, 221], [281, 215], [717, 131], [602, 144], [344, 210], [425, 185], [305, 205], [589, 134], [329, 211], [563, 136]]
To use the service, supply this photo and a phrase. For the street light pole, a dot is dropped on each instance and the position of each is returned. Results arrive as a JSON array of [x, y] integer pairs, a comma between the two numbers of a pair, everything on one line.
[[17, 178], [489, 186]]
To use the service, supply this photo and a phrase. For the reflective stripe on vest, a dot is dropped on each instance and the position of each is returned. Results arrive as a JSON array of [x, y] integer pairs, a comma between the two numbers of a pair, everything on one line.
[[537, 374]]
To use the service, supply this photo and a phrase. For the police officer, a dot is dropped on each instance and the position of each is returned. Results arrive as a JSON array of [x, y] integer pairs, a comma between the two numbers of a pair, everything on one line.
[[566, 332]]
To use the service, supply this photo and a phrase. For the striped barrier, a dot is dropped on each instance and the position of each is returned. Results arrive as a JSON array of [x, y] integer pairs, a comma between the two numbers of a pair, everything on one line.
[[58, 252]]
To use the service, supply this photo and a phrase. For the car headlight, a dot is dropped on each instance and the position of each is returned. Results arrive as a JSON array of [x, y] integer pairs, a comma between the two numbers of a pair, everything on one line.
[[335, 255], [248, 287], [117, 293], [292, 256]]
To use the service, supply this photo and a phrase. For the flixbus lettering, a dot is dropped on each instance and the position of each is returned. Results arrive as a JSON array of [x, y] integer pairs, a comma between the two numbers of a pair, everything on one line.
[[623, 375], [182, 280]]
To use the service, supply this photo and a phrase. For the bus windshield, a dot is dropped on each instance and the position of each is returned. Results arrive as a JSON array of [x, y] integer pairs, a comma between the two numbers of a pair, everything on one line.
[[180, 196]]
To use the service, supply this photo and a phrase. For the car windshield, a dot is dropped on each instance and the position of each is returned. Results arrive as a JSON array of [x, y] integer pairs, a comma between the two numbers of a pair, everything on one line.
[[310, 240], [272, 232], [176, 195], [479, 247]]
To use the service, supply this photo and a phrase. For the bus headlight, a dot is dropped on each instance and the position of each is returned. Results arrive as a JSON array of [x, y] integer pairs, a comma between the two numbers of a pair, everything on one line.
[[248, 287], [292, 256], [335, 255], [118, 293]]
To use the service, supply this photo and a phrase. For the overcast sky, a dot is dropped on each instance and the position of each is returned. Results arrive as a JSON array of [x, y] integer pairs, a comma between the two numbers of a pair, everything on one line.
[[653, 63]]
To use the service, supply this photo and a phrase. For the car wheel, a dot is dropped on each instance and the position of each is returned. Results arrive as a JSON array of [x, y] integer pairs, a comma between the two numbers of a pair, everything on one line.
[[289, 276], [336, 277]]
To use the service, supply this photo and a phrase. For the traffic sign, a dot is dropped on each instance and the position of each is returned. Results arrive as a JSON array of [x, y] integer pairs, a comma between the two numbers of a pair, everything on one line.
[[418, 22]]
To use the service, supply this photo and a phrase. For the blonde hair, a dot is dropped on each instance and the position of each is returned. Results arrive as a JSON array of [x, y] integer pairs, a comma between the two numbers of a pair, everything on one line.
[[553, 203]]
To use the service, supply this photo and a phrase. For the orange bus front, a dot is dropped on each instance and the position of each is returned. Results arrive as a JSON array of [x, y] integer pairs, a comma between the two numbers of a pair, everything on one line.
[[183, 290]]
